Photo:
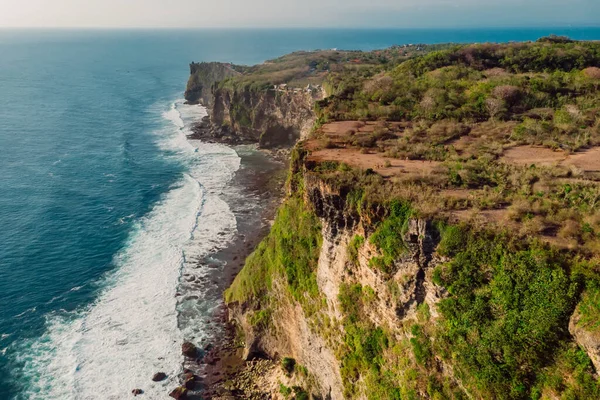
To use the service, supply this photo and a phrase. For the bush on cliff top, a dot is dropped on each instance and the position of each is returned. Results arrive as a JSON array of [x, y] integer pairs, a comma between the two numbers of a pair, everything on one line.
[[503, 326], [507, 313]]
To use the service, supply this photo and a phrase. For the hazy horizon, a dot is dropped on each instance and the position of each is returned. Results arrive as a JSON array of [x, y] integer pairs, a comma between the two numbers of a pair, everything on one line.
[[385, 14]]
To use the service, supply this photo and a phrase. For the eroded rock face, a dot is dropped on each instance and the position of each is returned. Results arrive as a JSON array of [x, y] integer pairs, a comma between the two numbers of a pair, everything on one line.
[[590, 341], [273, 117], [202, 77], [270, 117], [398, 293]]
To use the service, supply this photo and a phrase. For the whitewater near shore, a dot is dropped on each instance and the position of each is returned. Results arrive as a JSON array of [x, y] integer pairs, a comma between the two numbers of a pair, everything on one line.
[[168, 281]]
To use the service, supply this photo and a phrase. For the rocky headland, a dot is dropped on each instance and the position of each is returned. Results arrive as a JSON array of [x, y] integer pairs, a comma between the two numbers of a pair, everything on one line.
[[439, 233]]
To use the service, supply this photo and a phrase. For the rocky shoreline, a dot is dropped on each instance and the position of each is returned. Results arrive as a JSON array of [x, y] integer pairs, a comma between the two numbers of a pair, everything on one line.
[[208, 132], [227, 375], [255, 193]]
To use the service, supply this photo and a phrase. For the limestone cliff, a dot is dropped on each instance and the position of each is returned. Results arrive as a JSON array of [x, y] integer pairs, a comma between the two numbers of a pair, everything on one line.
[[423, 251], [312, 333], [271, 118], [202, 78], [373, 301]]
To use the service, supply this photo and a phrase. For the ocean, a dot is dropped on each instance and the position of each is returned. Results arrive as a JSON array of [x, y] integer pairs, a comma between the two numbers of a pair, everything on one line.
[[105, 207]]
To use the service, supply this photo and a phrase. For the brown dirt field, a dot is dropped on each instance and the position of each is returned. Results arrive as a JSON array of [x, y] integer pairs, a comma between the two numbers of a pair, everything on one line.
[[338, 134], [527, 155], [341, 128], [587, 160], [375, 161]]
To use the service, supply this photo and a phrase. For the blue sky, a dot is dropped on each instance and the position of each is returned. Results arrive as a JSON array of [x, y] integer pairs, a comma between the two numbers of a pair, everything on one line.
[[305, 13]]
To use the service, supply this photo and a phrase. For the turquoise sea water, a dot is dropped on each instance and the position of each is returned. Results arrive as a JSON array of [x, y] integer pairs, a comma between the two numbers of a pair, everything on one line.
[[101, 197]]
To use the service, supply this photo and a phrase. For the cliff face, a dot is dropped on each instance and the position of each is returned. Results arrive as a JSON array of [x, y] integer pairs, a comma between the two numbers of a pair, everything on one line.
[[202, 77], [272, 118], [422, 251], [314, 334], [373, 302]]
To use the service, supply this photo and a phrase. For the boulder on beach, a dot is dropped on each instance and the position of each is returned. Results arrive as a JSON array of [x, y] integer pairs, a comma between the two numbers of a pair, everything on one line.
[[179, 393], [159, 376], [135, 392], [189, 350]]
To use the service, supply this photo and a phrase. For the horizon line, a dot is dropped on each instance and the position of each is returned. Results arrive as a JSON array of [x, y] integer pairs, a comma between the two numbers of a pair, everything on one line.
[[354, 28]]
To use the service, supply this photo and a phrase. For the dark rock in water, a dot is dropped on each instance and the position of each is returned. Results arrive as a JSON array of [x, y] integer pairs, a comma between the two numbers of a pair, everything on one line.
[[179, 393], [188, 375], [190, 383], [189, 350], [190, 380], [137, 391], [159, 376]]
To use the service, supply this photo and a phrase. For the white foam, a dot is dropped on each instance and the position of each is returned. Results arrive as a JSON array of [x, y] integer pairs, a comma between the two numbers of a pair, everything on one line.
[[131, 331]]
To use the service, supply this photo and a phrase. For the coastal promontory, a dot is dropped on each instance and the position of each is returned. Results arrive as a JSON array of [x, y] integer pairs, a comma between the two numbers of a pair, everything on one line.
[[440, 233]]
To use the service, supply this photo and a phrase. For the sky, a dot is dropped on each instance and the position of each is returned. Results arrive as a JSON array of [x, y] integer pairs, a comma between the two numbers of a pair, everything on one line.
[[297, 13]]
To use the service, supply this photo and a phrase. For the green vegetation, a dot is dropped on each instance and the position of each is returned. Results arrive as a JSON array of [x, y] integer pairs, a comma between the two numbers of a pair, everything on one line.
[[300, 393], [571, 375], [589, 307], [463, 108], [550, 90], [519, 244], [363, 342], [388, 237], [288, 364], [284, 390], [241, 114], [503, 326], [289, 251], [356, 242], [302, 68], [507, 314], [388, 367]]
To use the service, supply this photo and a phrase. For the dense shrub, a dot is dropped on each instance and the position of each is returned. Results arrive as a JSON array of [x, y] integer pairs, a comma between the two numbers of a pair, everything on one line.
[[288, 364], [388, 237], [290, 250], [507, 313]]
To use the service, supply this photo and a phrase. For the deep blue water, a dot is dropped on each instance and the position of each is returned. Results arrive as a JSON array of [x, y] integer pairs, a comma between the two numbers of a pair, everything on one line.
[[83, 170]]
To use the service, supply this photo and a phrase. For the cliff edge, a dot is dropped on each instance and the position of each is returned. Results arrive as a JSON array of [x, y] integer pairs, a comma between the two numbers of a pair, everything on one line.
[[440, 235], [273, 104]]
